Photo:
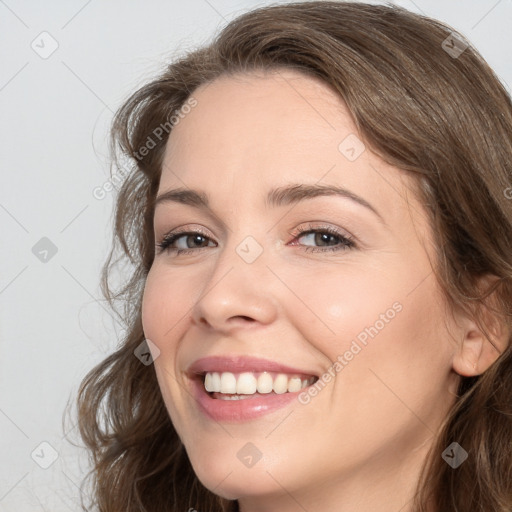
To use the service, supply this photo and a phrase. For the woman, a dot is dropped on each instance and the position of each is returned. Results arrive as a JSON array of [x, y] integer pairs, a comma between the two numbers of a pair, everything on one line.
[[320, 227]]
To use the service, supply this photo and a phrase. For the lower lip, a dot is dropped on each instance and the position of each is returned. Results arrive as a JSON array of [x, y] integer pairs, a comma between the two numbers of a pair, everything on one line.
[[241, 410]]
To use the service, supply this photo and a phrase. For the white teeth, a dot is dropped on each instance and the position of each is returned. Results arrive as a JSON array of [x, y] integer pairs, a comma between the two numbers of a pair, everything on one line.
[[247, 383], [208, 382], [294, 384], [265, 382], [227, 383], [234, 397], [215, 381], [281, 384], [212, 382]]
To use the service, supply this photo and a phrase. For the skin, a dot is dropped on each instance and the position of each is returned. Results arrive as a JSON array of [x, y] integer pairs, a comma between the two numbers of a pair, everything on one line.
[[359, 444]]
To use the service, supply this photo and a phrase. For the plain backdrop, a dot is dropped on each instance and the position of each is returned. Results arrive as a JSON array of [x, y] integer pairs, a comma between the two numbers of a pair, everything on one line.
[[65, 68]]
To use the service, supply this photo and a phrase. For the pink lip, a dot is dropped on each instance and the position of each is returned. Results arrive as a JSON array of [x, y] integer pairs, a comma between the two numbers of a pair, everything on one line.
[[239, 410], [237, 364]]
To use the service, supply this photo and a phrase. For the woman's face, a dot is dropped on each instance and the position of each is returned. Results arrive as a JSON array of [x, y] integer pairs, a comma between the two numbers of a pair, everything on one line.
[[351, 301]]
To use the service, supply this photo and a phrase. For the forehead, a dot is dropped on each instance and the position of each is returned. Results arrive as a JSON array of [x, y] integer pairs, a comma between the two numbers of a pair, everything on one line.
[[260, 112], [252, 132]]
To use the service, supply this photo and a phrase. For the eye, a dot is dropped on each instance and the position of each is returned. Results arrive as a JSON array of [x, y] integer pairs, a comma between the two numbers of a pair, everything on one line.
[[193, 240], [335, 239]]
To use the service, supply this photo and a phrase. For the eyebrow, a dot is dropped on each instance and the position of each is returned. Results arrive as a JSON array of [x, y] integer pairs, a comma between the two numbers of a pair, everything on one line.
[[281, 196]]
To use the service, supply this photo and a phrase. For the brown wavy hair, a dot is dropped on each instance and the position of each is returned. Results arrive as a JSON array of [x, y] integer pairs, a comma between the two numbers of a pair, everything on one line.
[[443, 117]]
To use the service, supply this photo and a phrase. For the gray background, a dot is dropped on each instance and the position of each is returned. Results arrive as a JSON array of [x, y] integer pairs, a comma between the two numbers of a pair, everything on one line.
[[55, 112]]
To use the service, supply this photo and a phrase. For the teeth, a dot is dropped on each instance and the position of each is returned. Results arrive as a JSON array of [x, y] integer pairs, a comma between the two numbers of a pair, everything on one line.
[[265, 382], [216, 380], [228, 383], [294, 384], [248, 383], [208, 382], [281, 384]]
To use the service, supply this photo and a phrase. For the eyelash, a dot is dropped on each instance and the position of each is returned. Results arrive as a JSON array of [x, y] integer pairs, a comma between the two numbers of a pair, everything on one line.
[[346, 242]]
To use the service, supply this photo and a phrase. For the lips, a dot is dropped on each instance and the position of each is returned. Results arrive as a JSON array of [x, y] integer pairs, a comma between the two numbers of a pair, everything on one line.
[[239, 364], [241, 388]]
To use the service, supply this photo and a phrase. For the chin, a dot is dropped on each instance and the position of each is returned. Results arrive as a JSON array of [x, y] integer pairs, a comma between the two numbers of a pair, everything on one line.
[[228, 478]]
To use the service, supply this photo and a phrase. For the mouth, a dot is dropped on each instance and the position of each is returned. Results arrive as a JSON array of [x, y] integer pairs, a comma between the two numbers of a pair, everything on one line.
[[240, 386], [235, 389]]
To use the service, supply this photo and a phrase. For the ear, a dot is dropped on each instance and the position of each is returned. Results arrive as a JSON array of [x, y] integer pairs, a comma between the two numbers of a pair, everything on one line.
[[475, 353]]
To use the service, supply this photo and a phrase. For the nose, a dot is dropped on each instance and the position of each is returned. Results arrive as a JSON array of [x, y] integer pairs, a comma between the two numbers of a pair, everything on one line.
[[238, 293]]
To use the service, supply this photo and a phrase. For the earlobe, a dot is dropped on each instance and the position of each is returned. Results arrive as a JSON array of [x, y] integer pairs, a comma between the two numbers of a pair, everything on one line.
[[471, 358], [476, 352]]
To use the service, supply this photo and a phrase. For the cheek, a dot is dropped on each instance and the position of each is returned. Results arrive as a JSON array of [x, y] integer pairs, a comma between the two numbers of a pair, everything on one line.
[[165, 304], [392, 364], [151, 311], [373, 326], [335, 307]]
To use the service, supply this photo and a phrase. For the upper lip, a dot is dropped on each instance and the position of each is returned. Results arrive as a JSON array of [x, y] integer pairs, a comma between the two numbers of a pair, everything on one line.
[[236, 364]]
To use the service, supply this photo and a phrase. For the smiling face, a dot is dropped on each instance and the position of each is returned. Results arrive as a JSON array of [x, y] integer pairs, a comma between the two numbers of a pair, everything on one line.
[[351, 300]]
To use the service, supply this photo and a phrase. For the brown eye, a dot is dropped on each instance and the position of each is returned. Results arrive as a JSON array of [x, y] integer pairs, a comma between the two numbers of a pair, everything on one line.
[[193, 240], [326, 238]]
